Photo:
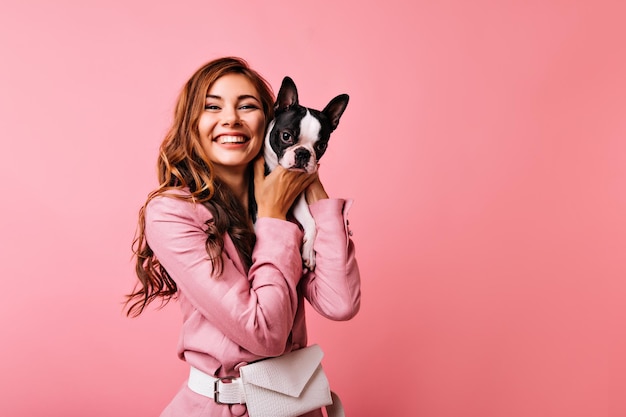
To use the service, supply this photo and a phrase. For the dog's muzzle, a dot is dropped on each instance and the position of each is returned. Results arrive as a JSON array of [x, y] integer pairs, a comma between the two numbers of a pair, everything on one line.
[[302, 158]]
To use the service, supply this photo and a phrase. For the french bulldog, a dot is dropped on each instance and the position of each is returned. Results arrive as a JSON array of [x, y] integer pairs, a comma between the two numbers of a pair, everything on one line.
[[297, 138]]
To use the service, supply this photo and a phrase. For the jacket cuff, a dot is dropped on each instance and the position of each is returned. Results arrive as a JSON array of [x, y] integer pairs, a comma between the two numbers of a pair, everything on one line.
[[330, 210]]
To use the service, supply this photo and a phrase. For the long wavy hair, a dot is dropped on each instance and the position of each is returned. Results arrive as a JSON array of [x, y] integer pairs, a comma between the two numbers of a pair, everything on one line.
[[183, 164]]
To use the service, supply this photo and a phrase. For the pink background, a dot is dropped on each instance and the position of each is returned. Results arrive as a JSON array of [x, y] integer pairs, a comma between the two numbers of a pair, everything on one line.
[[484, 145]]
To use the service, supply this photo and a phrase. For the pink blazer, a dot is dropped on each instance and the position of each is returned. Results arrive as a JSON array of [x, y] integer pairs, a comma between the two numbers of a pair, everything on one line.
[[239, 317]]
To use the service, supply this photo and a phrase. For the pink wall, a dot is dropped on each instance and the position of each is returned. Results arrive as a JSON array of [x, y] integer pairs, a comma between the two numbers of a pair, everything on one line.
[[485, 148]]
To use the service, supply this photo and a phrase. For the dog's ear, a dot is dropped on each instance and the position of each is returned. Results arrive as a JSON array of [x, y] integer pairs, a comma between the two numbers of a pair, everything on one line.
[[287, 95], [335, 109]]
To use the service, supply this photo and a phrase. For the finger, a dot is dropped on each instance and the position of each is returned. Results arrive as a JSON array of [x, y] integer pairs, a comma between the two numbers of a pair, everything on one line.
[[304, 175], [301, 180], [311, 178]]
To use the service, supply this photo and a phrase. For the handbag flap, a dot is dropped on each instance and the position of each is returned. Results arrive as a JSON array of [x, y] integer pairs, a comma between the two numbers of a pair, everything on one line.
[[287, 374]]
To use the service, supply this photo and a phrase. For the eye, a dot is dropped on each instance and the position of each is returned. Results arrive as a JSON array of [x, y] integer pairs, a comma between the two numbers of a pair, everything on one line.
[[286, 137], [321, 147], [248, 107], [212, 107]]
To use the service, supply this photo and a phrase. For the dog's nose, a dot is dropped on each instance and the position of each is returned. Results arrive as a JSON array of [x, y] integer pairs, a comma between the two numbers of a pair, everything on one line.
[[302, 157]]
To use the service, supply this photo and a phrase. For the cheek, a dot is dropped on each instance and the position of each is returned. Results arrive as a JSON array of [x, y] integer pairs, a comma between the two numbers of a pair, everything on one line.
[[260, 123], [204, 123]]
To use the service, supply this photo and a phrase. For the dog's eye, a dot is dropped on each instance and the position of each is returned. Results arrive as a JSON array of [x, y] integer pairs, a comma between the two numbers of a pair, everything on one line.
[[321, 147], [286, 137]]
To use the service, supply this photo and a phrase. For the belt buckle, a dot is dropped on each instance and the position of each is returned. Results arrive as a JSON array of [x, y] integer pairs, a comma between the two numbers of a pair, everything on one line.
[[216, 388]]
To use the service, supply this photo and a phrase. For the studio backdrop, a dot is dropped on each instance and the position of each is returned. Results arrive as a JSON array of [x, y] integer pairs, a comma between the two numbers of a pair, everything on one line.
[[484, 146]]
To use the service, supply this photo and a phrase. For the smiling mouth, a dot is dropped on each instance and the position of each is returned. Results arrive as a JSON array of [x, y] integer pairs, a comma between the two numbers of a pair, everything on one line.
[[224, 139]]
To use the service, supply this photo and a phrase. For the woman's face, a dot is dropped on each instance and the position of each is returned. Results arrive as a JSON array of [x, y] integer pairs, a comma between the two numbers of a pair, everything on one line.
[[232, 124]]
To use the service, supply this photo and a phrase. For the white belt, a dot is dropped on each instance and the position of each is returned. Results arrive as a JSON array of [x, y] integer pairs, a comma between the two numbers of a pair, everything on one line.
[[229, 390], [226, 390]]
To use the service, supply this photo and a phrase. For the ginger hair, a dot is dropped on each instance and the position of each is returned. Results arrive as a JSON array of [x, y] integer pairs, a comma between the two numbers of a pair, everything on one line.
[[182, 164]]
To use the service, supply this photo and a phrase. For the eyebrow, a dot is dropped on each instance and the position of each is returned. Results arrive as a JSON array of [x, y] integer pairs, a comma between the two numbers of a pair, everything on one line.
[[241, 97]]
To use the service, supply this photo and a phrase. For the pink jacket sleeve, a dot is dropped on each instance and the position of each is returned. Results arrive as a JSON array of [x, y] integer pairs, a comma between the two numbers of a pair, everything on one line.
[[333, 288], [254, 310]]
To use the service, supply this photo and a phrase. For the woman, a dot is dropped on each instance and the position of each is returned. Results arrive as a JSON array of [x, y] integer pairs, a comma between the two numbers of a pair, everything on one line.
[[241, 289]]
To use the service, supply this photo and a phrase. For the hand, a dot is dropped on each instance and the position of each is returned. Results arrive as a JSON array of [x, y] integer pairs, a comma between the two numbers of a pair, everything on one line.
[[315, 191], [276, 193]]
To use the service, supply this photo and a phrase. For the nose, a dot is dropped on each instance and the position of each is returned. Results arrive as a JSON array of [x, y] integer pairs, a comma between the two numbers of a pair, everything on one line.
[[230, 116], [302, 157]]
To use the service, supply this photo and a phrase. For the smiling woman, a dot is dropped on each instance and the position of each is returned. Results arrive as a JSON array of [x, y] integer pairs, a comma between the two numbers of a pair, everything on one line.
[[241, 289], [232, 125]]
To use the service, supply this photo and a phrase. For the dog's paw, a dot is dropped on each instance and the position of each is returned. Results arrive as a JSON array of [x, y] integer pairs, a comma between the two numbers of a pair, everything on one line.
[[308, 254]]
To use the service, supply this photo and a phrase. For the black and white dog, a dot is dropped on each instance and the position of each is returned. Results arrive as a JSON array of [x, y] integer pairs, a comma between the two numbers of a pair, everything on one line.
[[297, 138]]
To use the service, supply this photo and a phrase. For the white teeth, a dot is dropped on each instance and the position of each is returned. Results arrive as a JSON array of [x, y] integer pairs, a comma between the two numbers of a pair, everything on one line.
[[232, 139]]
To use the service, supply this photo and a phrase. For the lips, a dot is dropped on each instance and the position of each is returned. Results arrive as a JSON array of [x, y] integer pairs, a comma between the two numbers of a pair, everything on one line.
[[226, 139]]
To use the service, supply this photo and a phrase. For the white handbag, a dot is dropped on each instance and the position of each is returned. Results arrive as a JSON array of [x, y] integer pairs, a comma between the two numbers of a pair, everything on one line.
[[289, 385], [285, 386]]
